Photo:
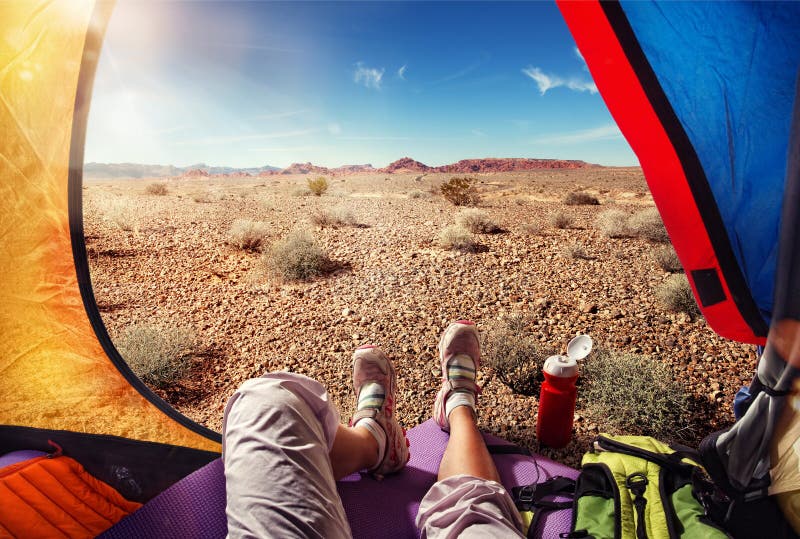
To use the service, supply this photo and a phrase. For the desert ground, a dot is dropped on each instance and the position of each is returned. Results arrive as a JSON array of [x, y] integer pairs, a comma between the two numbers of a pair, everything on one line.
[[165, 260]]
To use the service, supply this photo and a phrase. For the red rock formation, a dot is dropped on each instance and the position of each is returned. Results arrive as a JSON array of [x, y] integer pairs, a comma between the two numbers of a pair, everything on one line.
[[305, 168], [508, 165], [467, 166], [351, 169], [406, 164], [195, 173]]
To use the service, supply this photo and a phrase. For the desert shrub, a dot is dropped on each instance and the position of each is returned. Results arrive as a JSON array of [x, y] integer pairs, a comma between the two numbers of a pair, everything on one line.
[[534, 229], [579, 198], [334, 217], [159, 355], [647, 224], [296, 257], [301, 192], [576, 250], [202, 197], [460, 191], [667, 259], [561, 220], [157, 188], [636, 394], [247, 234], [416, 193], [318, 185], [675, 294], [122, 214], [477, 221], [457, 238], [516, 357], [613, 224]]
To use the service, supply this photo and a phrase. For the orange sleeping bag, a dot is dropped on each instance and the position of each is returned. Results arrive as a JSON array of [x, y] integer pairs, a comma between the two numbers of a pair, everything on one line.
[[55, 497]]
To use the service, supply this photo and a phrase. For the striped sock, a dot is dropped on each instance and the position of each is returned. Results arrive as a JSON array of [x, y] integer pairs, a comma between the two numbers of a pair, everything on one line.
[[372, 395], [460, 367]]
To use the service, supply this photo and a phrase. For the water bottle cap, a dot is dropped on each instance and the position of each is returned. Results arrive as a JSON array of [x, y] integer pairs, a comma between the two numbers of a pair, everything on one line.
[[561, 366], [579, 347]]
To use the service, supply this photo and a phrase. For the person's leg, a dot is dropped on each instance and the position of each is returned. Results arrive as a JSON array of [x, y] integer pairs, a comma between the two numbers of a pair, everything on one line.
[[468, 499], [466, 452], [354, 449], [278, 431]]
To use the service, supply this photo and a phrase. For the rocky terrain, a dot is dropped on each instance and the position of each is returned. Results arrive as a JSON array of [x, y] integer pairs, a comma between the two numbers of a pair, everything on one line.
[[395, 287]]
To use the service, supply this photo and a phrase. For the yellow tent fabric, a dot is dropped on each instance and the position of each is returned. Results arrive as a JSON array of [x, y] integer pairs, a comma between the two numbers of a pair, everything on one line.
[[54, 373]]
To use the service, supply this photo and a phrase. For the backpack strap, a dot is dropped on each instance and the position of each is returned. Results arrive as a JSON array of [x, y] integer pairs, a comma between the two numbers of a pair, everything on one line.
[[532, 498]]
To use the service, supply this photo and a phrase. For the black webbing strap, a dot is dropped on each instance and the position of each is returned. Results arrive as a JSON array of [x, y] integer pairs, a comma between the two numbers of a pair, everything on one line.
[[532, 498]]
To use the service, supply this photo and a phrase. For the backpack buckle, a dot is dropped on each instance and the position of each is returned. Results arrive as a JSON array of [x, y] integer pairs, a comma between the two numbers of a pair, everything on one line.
[[526, 494]]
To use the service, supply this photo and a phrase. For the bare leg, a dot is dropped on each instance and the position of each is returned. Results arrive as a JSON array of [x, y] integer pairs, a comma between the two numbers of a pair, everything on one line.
[[354, 449], [466, 451]]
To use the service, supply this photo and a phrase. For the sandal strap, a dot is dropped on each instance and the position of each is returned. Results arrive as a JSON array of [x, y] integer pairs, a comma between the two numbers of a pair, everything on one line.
[[366, 413], [461, 384]]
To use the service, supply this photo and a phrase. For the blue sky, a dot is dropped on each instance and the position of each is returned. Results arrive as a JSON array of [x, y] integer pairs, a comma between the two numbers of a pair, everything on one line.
[[250, 84]]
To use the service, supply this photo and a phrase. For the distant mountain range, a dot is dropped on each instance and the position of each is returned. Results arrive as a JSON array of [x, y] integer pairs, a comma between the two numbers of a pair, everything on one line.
[[404, 165], [135, 170]]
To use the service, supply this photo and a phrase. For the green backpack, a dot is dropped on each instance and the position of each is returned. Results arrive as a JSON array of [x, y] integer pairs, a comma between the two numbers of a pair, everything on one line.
[[636, 486]]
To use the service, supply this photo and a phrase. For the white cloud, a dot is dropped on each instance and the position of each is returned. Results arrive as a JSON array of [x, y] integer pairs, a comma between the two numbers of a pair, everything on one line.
[[547, 82], [605, 132], [463, 72], [370, 77], [581, 58], [402, 71]]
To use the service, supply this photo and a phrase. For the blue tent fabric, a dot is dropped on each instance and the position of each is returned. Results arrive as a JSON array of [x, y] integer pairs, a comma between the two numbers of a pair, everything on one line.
[[728, 71]]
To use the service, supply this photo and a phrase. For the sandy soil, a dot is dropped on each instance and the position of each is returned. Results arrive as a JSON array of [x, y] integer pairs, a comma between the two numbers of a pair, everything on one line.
[[394, 287]]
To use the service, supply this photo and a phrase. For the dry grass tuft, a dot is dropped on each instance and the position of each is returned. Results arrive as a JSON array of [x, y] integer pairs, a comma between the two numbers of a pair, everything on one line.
[[477, 221], [613, 224], [532, 229], [157, 188], [123, 214], [647, 224], [159, 355], [561, 220], [675, 294], [296, 257], [248, 235], [416, 193], [318, 185], [203, 197], [636, 394], [334, 218], [576, 251], [579, 198], [667, 259], [460, 191], [457, 238], [515, 355]]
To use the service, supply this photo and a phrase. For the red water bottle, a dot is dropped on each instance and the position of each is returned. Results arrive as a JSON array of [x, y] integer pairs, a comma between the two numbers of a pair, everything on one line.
[[558, 393]]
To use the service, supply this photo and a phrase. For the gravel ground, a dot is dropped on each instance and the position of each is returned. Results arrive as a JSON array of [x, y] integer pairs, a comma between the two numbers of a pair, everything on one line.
[[393, 286]]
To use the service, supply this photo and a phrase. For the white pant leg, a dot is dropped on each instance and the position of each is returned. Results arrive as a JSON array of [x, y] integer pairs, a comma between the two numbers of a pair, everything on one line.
[[277, 433]]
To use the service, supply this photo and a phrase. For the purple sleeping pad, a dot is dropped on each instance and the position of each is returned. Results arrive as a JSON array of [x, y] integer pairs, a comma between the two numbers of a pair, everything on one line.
[[195, 506]]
